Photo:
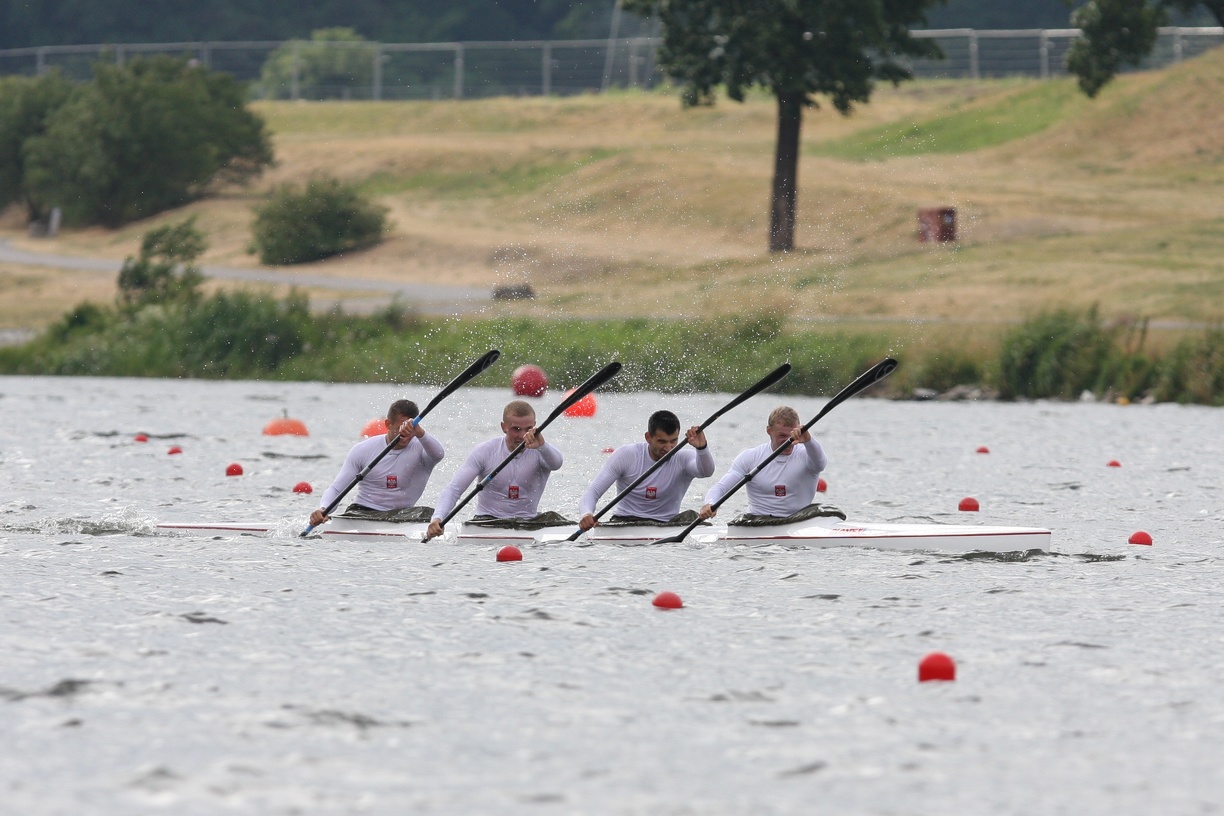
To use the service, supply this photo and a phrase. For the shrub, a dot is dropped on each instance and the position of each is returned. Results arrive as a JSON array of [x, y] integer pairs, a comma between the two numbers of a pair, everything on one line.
[[325, 218], [166, 268], [1194, 370], [1059, 354], [141, 138]]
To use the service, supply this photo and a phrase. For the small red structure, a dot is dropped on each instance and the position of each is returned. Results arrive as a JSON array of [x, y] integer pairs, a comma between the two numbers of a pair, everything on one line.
[[937, 225]]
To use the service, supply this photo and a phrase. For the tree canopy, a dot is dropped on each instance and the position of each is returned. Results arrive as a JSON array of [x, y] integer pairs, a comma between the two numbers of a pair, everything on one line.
[[136, 140], [1123, 32], [798, 50]]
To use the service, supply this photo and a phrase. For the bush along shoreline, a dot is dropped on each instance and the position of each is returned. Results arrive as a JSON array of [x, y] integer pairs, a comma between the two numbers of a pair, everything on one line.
[[162, 325]]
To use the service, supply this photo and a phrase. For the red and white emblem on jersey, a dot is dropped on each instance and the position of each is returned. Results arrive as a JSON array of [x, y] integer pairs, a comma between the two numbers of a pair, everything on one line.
[[392, 482], [652, 492], [512, 492], [779, 490]]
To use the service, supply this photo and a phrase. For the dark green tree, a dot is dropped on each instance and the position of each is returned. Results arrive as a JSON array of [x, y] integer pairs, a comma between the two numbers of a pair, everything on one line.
[[26, 103], [798, 50], [141, 138], [166, 270], [1122, 32]]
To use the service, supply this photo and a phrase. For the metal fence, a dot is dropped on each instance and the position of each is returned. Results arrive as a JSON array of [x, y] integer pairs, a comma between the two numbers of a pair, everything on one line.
[[365, 70]]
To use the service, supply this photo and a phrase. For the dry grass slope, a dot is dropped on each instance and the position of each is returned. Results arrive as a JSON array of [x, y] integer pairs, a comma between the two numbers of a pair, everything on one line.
[[628, 205]]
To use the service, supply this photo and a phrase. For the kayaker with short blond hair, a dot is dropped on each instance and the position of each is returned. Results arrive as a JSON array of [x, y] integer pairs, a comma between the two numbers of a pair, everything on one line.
[[788, 483]]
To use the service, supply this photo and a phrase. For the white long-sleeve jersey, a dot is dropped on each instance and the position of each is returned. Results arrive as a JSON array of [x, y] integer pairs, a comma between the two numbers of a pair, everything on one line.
[[659, 496], [513, 493], [395, 482], [786, 485]]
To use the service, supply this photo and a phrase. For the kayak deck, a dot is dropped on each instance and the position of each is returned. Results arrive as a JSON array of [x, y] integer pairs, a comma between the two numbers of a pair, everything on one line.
[[810, 533]]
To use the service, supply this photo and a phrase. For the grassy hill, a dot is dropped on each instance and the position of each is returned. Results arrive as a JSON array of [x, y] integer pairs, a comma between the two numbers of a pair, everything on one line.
[[625, 204]]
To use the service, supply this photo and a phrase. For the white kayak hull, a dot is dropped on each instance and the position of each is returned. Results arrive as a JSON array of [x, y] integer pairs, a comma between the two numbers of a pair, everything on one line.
[[821, 532], [832, 532]]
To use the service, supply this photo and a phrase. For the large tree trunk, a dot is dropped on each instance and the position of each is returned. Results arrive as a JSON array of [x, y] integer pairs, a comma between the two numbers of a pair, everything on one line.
[[786, 173]]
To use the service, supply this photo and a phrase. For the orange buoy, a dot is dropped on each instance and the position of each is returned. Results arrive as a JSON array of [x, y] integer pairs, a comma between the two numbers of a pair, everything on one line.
[[584, 407], [284, 426], [375, 427]]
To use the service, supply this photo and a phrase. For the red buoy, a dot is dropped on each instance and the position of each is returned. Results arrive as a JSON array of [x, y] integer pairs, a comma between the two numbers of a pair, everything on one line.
[[668, 600], [233, 469], [174, 449], [303, 487], [141, 437], [584, 407], [375, 427], [529, 381], [969, 505], [821, 485], [509, 553], [983, 449], [1140, 537], [936, 666], [608, 449], [284, 426], [1114, 463]]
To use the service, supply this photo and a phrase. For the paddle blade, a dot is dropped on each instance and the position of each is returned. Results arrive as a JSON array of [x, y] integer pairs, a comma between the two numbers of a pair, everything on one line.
[[865, 380], [765, 382], [488, 359]]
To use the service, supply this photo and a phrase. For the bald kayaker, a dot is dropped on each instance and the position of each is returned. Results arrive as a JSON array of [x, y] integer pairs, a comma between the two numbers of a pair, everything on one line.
[[658, 498], [399, 479], [788, 483]]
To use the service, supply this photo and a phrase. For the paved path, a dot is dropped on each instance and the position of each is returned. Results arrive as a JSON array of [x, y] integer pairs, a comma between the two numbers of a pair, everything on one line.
[[431, 298]]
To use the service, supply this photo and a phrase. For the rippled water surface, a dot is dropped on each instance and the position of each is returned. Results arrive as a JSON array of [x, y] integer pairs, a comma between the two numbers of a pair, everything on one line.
[[149, 671]]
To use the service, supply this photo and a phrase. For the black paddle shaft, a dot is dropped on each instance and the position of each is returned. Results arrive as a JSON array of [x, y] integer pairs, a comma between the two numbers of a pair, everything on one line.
[[865, 380], [771, 378], [471, 371], [597, 379]]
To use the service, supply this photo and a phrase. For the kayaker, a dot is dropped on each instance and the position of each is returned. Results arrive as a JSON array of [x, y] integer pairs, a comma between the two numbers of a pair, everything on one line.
[[397, 481], [788, 483], [658, 498], [515, 492]]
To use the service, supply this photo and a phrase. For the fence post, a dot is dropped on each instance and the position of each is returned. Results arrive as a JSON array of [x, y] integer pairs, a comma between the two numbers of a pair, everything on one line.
[[376, 91], [40, 61], [974, 66], [1178, 53], [546, 85], [633, 63], [206, 55], [458, 90], [119, 55], [1045, 54]]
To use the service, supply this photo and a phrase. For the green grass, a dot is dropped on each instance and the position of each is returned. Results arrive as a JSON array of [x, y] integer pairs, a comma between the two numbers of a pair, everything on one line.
[[501, 178], [964, 127]]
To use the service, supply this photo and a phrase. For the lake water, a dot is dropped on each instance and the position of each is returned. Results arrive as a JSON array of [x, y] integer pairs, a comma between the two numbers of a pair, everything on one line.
[[146, 671]]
